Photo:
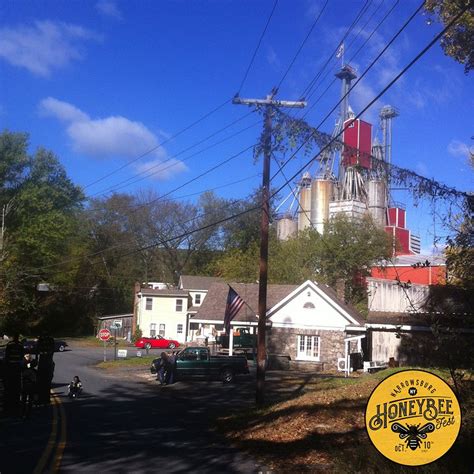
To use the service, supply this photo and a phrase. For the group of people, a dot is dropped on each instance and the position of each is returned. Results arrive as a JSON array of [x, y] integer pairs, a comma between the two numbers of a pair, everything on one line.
[[27, 379], [166, 368]]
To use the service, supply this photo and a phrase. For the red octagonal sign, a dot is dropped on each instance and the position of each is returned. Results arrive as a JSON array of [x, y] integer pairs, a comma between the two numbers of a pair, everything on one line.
[[104, 334]]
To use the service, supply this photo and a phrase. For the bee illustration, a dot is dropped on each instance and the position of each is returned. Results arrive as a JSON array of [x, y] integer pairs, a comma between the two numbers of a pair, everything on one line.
[[412, 434]]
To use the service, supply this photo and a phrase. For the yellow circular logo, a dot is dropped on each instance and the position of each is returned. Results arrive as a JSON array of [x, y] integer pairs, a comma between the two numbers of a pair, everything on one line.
[[413, 417]]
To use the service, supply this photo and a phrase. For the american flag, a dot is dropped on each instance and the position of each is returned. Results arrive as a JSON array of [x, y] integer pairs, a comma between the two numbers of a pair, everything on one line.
[[234, 303]]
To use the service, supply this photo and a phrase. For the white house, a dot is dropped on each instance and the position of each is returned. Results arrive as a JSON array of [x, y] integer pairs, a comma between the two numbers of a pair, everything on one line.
[[308, 323], [162, 313]]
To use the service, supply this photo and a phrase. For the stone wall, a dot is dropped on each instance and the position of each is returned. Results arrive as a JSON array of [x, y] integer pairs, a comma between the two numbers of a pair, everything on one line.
[[283, 341]]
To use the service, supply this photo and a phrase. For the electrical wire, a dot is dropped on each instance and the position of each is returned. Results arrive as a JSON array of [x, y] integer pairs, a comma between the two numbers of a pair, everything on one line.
[[151, 150], [257, 48], [302, 44], [246, 211]]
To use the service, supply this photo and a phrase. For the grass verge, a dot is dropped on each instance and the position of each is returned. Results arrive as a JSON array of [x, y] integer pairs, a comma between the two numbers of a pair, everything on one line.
[[134, 362], [324, 429]]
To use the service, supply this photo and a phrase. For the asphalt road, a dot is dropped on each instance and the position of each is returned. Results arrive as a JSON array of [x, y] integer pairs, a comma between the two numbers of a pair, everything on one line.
[[125, 424]]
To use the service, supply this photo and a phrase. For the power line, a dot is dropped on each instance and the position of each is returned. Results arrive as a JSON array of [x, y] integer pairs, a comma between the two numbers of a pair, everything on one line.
[[302, 45], [382, 92], [130, 181], [359, 15], [389, 85], [257, 48], [387, 14], [203, 117]]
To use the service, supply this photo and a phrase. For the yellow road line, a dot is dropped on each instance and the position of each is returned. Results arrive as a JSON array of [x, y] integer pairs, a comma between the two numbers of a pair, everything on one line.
[[51, 441], [62, 439]]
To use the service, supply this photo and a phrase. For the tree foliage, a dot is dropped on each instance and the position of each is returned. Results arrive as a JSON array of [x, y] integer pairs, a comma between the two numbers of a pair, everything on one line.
[[458, 42]]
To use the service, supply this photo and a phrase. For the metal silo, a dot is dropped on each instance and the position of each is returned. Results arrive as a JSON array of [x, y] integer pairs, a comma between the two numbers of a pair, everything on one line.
[[321, 195], [286, 228], [376, 201], [304, 208]]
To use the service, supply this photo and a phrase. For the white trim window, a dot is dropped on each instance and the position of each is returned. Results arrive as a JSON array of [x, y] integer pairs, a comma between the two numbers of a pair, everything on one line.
[[308, 347], [152, 329], [197, 299], [149, 304], [162, 330], [179, 329], [179, 306]]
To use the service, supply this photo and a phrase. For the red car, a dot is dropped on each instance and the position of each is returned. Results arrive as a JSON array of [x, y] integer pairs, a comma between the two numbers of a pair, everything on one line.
[[157, 342]]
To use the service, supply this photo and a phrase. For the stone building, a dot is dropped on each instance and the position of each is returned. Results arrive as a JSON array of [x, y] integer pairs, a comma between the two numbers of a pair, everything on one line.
[[307, 323]]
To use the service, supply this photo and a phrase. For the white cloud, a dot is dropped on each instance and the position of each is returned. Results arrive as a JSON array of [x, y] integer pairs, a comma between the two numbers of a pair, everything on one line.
[[458, 148], [161, 170], [109, 8], [44, 46], [52, 107], [422, 168], [272, 58], [113, 136]]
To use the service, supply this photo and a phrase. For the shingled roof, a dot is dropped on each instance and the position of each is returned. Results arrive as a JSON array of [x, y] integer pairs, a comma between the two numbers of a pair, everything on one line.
[[213, 306], [191, 282]]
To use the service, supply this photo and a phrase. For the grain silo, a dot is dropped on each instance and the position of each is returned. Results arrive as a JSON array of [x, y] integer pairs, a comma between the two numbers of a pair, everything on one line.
[[304, 203], [321, 195], [286, 227], [376, 201]]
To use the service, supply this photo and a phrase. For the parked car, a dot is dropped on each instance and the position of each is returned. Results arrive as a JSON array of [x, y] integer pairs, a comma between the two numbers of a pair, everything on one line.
[[158, 342], [30, 345], [198, 362]]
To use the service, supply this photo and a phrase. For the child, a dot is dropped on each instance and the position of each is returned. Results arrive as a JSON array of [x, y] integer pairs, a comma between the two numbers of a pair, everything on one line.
[[75, 387]]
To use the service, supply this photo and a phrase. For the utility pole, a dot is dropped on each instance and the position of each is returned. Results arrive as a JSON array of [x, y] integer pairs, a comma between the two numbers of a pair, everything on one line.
[[269, 103]]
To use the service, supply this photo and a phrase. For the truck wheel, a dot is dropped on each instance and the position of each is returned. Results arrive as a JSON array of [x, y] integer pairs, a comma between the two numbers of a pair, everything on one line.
[[61, 348], [227, 375]]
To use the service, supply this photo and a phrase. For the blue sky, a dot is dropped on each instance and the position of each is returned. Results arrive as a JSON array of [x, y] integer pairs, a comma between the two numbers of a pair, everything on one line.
[[102, 82]]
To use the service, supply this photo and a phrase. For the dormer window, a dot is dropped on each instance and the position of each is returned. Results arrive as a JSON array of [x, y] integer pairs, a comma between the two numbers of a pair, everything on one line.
[[197, 299], [309, 305]]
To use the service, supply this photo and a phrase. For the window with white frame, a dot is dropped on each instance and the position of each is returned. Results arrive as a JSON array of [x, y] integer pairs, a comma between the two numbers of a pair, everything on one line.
[[308, 347], [179, 329], [179, 305], [197, 299], [149, 304], [162, 330], [152, 330]]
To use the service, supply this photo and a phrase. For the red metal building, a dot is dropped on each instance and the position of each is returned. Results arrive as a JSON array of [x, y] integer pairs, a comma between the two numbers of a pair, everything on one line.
[[358, 138]]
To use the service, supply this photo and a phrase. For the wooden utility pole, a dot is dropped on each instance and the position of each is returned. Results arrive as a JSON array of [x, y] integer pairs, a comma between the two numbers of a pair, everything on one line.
[[269, 103]]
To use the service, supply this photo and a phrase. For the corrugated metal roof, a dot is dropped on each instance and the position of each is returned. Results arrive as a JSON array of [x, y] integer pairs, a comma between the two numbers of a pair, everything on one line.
[[409, 260]]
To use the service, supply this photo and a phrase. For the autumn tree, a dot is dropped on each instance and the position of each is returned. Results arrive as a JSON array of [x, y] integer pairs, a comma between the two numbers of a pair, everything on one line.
[[458, 42]]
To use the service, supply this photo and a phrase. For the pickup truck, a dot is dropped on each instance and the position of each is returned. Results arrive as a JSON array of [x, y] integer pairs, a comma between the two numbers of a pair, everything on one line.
[[242, 338], [198, 362]]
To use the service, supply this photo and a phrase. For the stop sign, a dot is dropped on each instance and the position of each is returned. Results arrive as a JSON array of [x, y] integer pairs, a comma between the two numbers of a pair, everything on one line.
[[104, 334]]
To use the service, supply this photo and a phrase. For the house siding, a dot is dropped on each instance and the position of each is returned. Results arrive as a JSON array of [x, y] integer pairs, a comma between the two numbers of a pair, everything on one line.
[[283, 341]]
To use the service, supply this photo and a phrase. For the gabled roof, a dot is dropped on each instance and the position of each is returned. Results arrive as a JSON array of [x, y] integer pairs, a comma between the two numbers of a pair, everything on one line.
[[191, 282], [213, 306], [326, 292]]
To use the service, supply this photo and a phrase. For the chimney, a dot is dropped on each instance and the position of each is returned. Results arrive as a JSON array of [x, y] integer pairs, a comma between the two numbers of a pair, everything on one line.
[[341, 289]]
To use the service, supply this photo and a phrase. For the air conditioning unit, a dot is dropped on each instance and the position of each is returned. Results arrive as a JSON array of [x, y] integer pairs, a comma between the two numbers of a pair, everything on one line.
[[341, 364]]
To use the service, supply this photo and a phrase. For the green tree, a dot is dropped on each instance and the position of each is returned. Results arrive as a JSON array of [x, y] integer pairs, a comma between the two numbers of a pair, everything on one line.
[[39, 229], [458, 42]]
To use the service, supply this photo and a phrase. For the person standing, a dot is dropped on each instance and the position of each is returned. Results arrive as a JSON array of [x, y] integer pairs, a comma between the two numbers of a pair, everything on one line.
[[12, 375], [45, 348], [28, 385], [171, 369], [163, 367]]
